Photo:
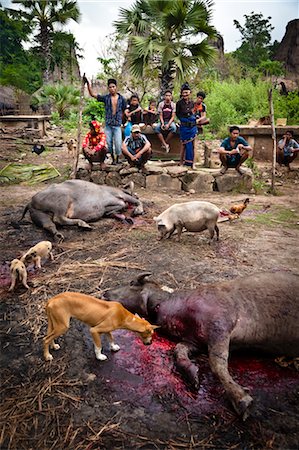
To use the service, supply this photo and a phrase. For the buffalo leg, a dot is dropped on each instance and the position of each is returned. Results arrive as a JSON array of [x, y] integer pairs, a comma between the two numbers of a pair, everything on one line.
[[188, 369], [43, 220], [62, 220], [218, 358]]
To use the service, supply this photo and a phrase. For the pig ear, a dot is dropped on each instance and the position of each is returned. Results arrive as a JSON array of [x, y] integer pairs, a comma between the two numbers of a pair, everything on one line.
[[140, 280], [155, 218]]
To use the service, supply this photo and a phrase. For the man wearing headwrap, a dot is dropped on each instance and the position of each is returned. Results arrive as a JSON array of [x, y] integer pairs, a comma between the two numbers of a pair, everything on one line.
[[188, 128], [94, 145], [115, 105]]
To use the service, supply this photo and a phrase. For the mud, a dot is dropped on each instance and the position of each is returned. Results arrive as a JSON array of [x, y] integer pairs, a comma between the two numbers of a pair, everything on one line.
[[136, 399]]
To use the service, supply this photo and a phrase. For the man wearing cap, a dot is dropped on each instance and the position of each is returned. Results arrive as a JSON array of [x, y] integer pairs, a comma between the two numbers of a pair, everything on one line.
[[115, 104], [136, 148]]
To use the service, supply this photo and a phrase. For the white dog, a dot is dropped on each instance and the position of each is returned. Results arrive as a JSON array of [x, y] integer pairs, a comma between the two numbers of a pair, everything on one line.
[[18, 272], [41, 250]]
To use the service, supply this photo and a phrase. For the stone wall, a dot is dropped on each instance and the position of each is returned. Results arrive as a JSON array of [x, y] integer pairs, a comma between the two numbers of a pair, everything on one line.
[[169, 176]]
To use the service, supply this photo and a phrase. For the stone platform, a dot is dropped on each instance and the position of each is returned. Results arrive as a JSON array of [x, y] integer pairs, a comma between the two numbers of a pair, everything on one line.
[[168, 175]]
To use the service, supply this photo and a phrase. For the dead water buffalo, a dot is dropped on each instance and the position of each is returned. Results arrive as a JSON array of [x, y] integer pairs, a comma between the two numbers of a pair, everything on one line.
[[258, 311], [76, 202]]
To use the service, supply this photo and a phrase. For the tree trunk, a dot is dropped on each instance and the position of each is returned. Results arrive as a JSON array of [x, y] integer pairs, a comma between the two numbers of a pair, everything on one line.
[[167, 79], [46, 51], [274, 140]]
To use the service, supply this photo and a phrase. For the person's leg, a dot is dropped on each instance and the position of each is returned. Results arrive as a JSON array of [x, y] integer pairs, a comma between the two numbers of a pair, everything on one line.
[[224, 162], [117, 142], [171, 133], [158, 131], [109, 138], [240, 161]]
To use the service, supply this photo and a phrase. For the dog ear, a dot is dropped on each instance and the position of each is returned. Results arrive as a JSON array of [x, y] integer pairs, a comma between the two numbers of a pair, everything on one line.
[[154, 327]]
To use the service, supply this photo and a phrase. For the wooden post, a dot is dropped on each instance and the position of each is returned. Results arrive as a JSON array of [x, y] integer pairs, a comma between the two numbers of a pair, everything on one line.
[[273, 138], [76, 159]]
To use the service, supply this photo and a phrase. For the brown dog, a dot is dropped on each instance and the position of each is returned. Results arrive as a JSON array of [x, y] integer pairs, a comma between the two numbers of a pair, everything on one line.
[[18, 272], [72, 147], [41, 250], [100, 315]]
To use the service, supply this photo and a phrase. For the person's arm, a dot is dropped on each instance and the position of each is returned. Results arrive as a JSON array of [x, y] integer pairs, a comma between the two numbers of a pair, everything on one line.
[[295, 146], [125, 150], [91, 93], [171, 119], [243, 145], [144, 149], [282, 143], [222, 150]]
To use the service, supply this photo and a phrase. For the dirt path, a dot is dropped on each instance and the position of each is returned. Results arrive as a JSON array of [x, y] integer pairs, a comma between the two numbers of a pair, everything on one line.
[[136, 399]]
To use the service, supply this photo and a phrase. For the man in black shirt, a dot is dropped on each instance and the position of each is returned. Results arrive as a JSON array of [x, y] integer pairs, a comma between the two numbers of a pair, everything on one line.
[[188, 128]]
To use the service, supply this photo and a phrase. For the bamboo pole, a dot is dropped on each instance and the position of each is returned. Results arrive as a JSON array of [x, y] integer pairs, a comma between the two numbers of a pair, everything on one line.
[[273, 138], [76, 159]]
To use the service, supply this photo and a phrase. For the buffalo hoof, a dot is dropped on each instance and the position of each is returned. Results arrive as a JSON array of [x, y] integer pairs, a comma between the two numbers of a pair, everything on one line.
[[59, 236], [243, 407], [84, 225], [128, 221]]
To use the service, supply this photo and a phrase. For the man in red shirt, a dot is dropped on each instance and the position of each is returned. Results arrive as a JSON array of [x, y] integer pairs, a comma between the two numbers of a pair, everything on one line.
[[94, 145]]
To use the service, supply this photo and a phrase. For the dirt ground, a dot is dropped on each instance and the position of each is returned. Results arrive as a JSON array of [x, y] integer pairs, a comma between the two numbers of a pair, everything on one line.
[[136, 399]]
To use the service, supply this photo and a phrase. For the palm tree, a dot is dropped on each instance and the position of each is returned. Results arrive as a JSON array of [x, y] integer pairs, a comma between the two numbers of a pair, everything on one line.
[[169, 34], [61, 96], [44, 14]]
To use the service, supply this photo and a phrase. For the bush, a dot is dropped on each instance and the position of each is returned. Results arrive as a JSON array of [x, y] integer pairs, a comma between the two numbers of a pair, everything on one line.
[[93, 110]]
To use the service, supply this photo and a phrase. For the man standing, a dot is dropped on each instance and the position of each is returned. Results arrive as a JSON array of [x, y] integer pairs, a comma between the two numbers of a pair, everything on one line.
[[288, 149], [115, 104], [188, 128], [137, 149], [233, 151]]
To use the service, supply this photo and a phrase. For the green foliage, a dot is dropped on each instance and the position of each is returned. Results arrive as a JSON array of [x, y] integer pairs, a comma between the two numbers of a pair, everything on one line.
[[271, 68], [287, 106], [42, 16], [61, 96], [256, 38], [230, 102], [94, 110], [19, 67], [167, 35]]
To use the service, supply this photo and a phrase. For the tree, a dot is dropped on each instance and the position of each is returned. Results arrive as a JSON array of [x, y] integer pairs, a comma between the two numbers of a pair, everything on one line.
[[64, 56], [169, 35], [61, 96], [256, 39], [19, 67], [44, 15]]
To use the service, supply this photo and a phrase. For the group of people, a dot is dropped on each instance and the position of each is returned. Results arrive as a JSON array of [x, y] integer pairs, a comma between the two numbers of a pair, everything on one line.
[[136, 148]]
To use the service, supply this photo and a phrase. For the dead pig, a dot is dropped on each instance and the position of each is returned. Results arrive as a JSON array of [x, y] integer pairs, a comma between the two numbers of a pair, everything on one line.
[[193, 216]]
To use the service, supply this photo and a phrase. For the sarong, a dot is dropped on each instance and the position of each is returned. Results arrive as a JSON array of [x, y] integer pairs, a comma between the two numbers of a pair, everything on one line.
[[188, 132]]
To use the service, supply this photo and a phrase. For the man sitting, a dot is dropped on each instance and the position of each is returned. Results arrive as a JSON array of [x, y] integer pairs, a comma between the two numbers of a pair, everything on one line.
[[94, 145], [166, 110], [233, 151], [136, 148], [287, 150]]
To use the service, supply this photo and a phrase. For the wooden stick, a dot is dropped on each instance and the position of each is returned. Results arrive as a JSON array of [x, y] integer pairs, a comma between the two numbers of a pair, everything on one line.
[[274, 140], [76, 159]]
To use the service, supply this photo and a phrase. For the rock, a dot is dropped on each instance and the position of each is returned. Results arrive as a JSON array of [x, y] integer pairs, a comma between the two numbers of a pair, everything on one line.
[[139, 179], [164, 181], [99, 178], [113, 179], [197, 181], [154, 170], [233, 181], [176, 171], [128, 170]]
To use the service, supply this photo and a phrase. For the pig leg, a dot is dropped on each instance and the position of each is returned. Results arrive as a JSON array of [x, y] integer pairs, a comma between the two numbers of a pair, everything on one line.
[[218, 358], [212, 229], [13, 281], [188, 369], [179, 227]]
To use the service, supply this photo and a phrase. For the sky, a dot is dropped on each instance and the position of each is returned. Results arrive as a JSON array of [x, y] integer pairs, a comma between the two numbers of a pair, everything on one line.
[[97, 17]]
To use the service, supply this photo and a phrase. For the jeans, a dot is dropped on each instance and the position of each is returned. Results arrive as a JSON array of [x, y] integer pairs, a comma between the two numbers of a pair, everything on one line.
[[171, 129], [114, 135]]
